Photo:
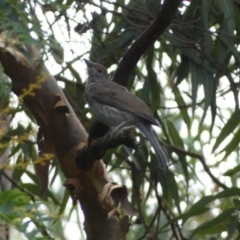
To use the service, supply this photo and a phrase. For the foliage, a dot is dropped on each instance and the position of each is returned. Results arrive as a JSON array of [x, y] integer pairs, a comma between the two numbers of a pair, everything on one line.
[[190, 78]]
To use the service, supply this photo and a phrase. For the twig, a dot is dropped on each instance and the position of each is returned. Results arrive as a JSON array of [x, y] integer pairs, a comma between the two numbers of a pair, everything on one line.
[[80, 86], [16, 185], [118, 137], [202, 160], [95, 149]]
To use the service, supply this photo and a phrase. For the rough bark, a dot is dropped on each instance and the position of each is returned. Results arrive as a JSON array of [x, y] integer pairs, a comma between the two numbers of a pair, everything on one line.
[[66, 137]]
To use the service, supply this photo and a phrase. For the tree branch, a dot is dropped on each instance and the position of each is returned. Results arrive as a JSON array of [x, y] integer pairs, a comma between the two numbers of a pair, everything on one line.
[[98, 147], [202, 160], [163, 19]]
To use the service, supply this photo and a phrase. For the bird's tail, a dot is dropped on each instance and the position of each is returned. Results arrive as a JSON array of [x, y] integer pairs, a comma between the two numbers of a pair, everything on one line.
[[147, 130]]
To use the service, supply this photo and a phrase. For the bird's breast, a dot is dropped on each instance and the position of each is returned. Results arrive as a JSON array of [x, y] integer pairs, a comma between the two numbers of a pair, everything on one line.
[[109, 115]]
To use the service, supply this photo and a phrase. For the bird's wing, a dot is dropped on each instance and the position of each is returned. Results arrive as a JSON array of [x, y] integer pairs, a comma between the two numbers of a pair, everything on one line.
[[115, 95]]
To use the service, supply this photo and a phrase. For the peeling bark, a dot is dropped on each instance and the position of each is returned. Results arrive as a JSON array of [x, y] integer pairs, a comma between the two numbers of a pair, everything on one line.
[[65, 136]]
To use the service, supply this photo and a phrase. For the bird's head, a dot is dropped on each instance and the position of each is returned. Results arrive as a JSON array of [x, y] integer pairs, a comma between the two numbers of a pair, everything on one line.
[[96, 71]]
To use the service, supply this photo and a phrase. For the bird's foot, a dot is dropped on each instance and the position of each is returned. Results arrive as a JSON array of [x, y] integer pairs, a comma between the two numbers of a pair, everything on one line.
[[114, 130], [110, 134]]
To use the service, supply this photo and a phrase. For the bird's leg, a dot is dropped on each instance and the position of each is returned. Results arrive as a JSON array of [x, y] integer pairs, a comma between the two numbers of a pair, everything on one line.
[[120, 126]]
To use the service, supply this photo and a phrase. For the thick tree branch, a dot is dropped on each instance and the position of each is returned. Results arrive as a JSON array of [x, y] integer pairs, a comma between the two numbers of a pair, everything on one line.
[[114, 139], [99, 146], [161, 22]]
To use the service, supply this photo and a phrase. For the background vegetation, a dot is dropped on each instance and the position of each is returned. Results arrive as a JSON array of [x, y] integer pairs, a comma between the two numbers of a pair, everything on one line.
[[189, 78]]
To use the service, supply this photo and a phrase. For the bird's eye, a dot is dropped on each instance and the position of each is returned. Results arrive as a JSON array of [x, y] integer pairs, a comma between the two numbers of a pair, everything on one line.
[[99, 70]]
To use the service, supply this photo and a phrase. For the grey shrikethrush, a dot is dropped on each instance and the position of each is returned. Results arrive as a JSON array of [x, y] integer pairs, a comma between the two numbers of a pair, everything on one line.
[[113, 105]]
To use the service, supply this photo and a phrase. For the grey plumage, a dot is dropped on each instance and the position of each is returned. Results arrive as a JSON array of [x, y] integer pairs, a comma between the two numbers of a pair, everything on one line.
[[113, 105]]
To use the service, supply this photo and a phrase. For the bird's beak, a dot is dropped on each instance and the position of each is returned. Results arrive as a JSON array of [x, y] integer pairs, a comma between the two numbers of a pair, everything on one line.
[[89, 63]]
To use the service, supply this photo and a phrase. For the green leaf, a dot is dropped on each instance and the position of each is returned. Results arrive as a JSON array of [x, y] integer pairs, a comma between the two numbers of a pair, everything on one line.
[[233, 144], [56, 49], [177, 141], [228, 128], [32, 176], [219, 220], [15, 149], [63, 202], [19, 130], [182, 70], [152, 78], [20, 169], [209, 90], [232, 228], [174, 134], [32, 188], [162, 177], [237, 19], [195, 85], [15, 196], [232, 171], [230, 192], [217, 229], [230, 45], [228, 10], [198, 207], [213, 109], [5, 90], [174, 191], [145, 93], [236, 203], [181, 104]]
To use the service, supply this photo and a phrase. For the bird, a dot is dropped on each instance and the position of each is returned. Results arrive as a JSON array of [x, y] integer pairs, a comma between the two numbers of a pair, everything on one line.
[[113, 105]]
